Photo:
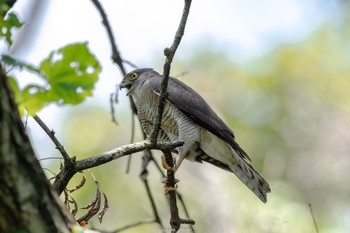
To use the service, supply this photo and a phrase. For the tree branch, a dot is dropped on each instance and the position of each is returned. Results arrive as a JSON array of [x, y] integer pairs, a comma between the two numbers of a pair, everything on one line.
[[115, 52], [68, 161], [67, 173], [175, 220]]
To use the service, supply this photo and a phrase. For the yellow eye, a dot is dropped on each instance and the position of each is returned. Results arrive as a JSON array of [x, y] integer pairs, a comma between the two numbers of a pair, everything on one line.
[[133, 76]]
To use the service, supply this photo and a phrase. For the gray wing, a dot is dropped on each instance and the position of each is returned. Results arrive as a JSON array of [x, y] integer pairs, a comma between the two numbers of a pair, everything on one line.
[[196, 108]]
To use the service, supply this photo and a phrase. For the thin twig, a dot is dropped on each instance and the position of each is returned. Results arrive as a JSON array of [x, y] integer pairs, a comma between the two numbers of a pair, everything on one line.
[[113, 100], [68, 161], [115, 52], [179, 196], [313, 217], [146, 158], [169, 53], [153, 204]]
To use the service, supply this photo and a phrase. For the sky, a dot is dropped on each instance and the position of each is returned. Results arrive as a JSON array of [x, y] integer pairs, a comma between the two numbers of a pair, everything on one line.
[[144, 28]]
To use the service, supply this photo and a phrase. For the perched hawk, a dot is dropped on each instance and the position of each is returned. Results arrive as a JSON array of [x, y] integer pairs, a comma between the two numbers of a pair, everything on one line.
[[189, 118]]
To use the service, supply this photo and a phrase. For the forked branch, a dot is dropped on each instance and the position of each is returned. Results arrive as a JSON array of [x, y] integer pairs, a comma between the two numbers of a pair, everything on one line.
[[175, 220]]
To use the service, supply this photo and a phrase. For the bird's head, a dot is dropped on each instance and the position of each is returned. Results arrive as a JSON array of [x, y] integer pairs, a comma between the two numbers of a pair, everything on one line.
[[135, 78]]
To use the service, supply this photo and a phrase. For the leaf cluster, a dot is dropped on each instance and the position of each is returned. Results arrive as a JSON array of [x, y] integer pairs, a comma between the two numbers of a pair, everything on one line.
[[68, 75]]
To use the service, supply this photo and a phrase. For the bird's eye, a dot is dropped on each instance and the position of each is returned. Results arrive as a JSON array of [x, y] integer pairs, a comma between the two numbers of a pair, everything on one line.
[[133, 76]]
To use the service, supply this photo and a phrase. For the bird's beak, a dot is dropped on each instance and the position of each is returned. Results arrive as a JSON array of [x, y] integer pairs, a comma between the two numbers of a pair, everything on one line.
[[124, 84]]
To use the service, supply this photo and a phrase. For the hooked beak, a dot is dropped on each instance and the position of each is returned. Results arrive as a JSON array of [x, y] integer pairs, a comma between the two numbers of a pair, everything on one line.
[[123, 84]]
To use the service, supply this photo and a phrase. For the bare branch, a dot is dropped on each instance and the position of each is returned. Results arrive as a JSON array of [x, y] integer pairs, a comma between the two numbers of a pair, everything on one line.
[[169, 53], [313, 217], [68, 161], [113, 99], [67, 173], [153, 204], [115, 52]]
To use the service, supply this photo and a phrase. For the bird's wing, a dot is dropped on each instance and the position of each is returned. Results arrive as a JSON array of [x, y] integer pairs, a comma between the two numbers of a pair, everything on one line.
[[196, 108]]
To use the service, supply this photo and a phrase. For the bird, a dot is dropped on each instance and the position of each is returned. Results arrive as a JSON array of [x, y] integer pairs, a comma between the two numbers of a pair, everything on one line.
[[189, 118]]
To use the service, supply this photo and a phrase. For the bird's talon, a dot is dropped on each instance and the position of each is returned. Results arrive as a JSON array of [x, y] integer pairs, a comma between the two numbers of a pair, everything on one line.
[[165, 164], [167, 188], [164, 181]]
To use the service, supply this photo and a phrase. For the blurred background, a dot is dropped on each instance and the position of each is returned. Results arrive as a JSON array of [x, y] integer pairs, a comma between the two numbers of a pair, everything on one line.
[[278, 72]]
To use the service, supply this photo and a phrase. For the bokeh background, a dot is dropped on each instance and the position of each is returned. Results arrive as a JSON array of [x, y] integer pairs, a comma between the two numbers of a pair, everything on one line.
[[278, 72]]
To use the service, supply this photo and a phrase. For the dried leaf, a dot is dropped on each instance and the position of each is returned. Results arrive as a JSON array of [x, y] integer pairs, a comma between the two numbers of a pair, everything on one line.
[[81, 184], [105, 208], [66, 198], [93, 203], [75, 210], [93, 207]]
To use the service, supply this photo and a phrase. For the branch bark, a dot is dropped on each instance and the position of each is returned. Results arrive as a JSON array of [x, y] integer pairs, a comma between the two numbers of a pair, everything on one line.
[[64, 176]]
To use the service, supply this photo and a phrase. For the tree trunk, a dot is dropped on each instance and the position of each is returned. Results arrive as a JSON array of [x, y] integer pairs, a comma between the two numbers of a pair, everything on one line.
[[27, 201]]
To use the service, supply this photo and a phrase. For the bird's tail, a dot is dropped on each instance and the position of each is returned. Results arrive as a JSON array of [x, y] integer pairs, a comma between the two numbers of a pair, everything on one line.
[[249, 176]]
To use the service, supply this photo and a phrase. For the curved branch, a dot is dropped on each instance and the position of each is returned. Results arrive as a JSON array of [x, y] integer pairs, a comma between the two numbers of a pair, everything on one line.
[[115, 52]]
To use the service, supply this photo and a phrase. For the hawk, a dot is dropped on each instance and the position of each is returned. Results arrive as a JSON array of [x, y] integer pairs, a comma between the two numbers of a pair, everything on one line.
[[189, 118]]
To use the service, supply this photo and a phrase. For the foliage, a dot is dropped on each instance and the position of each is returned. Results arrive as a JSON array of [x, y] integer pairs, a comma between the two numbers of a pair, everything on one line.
[[69, 75], [6, 25]]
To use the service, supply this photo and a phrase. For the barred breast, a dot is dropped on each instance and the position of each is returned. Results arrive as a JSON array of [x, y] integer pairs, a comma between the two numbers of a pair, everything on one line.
[[175, 124]]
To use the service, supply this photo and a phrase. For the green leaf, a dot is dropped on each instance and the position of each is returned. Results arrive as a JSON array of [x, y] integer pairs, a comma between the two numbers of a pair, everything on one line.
[[71, 73], [6, 26]]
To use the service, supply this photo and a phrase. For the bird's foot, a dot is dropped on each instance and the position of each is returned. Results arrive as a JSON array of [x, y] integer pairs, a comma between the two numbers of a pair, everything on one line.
[[165, 164], [168, 188], [164, 181]]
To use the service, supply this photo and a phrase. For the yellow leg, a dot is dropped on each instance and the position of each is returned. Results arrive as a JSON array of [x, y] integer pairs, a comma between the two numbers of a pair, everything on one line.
[[165, 164], [167, 188]]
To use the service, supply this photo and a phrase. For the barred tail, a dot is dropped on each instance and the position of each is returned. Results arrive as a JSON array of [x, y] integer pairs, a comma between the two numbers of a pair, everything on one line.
[[250, 177]]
